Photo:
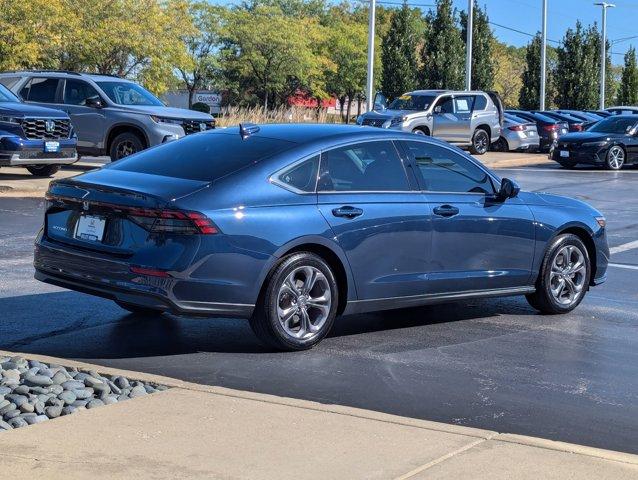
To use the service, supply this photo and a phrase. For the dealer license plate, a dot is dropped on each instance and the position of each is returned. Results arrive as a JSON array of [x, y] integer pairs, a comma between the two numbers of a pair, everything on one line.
[[51, 147], [564, 153], [90, 228]]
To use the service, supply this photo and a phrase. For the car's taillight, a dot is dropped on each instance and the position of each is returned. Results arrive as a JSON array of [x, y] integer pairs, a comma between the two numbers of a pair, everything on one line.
[[172, 221], [550, 128], [516, 128], [576, 127]]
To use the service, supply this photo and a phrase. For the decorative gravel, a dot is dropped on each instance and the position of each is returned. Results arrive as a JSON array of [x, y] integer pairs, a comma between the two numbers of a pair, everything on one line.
[[33, 392]]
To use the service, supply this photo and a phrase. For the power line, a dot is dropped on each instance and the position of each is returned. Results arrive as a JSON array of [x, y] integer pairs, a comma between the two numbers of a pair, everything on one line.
[[519, 31]]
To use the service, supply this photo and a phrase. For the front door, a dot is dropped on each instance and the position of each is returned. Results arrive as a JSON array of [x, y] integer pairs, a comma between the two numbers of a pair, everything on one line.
[[88, 122], [452, 118], [378, 217], [478, 243]]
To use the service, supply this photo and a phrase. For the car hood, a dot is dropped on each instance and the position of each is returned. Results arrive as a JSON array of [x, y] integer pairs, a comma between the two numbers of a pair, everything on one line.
[[578, 137], [387, 114], [16, 109], [541, 198], [181, 113]]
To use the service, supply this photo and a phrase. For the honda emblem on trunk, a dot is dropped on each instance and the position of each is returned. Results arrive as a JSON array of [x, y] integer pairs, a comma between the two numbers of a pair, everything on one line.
[[49, 126], [85, 206]]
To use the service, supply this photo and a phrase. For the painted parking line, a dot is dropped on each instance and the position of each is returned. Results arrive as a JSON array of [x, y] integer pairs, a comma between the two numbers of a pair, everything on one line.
[[622, 265], [555, 170], [624, 247]]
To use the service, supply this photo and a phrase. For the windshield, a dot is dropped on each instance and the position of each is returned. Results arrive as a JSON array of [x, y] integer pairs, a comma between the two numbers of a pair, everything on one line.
[[619, 125], [412, 102], [126, 93], [7, 96]]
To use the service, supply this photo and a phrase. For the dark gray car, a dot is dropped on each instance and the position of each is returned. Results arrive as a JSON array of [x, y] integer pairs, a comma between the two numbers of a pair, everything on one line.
[[111, 116]]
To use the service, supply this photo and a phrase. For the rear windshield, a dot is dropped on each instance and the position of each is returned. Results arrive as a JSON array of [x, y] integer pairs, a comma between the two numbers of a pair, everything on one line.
[[203, 156]]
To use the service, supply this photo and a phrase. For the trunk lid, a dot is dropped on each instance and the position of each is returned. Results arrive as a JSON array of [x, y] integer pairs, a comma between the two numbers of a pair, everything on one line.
[[104, 210]]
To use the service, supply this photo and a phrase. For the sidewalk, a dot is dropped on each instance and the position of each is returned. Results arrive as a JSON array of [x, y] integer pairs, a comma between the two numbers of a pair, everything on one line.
[[194, 431]]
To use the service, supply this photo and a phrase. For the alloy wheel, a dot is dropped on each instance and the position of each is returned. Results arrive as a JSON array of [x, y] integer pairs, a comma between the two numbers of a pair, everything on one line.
[[568, 275], [303, 302], [124, 149], [481, 142], [616, 158]]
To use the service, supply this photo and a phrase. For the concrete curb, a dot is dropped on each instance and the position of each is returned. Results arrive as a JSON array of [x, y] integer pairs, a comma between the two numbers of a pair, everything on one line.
[[347, 411]]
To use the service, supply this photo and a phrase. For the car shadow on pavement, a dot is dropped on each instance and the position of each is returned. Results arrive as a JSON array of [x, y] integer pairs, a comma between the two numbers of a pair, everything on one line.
[[69, 324]]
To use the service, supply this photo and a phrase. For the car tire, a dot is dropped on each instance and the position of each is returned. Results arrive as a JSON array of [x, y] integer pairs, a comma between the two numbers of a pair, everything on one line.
[[298, 304], [421, 131], [564, 276], [500, 145], [138, 310], [615, 158], [480, 142], [43, 170], [125, 144]]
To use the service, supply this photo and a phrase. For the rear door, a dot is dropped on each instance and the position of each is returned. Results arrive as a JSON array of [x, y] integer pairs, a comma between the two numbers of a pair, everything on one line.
[[378, 216], [477, 243]]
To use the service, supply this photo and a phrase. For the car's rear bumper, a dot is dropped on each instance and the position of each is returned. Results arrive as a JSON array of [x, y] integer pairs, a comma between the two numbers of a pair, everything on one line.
[[515, 142]]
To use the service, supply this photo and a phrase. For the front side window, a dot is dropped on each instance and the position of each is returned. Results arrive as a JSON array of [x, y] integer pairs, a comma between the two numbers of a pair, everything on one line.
[[127, 93], [301, 177], [444, 170], [40, 90], [446, 104], [77, 91], [369, 166]]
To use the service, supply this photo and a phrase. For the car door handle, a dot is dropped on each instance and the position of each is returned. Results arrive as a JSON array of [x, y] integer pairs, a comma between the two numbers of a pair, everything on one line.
[[347, 212], [446, 211]]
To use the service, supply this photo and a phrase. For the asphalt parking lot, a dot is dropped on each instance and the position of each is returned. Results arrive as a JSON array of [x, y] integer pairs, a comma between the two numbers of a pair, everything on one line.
[[492, 364]]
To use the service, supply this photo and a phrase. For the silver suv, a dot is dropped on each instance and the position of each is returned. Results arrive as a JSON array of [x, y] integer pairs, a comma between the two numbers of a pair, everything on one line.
[[467, 119], [110, 115]]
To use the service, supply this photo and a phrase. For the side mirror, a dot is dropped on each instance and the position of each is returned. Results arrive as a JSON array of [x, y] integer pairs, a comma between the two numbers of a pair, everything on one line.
[[509, 189], [438, 109], [94, 102]]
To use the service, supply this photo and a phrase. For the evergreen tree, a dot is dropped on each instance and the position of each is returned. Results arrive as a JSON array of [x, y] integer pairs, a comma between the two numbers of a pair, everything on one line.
[[529, 96], [443, 53], [628, 91], [482, 44], [399, 53]]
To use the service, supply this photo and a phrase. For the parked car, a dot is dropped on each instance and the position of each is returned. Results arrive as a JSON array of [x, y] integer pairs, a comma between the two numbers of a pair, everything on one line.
[[468, 119], [601, 113], [575, 124], [330, 220], [39, 139], [612, 142], [623, 110], [549, 129], [584, 116], [111, 116], [517, 134]]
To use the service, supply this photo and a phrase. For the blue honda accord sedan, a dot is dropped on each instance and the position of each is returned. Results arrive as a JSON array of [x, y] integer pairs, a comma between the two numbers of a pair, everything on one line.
[[292, 225]]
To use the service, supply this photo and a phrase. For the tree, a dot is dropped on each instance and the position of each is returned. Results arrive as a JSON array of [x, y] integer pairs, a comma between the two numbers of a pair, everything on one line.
[[529, 97], [443, 52], [628, 91], [271, 55], [509, 65], [203, 46], [400, 69], [482, 48]]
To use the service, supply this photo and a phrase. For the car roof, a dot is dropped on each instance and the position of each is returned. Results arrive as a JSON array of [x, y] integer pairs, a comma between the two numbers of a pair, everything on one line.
[[61, 74], [440, 92]]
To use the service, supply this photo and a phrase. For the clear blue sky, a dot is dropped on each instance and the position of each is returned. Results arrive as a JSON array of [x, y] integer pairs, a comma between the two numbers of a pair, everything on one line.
[[525, 15]]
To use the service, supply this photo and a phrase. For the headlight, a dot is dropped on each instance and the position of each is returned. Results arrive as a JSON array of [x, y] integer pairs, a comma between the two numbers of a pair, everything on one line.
[[397, 120], [174, 121], [595, 144], [5, 119]]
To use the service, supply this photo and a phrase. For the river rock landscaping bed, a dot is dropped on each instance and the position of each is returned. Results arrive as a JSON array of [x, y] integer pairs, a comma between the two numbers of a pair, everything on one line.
[[34, 392]]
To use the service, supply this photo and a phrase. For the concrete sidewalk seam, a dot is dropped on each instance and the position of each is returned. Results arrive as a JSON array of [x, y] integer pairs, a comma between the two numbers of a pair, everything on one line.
[[441, 459]]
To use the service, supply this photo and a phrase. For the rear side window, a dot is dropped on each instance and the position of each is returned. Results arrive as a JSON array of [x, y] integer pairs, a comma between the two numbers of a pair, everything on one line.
[[444, 170], [480, 103], [204, 156], [369, 166], [464, 103], [301, 176], [9, 82], [40, 90]]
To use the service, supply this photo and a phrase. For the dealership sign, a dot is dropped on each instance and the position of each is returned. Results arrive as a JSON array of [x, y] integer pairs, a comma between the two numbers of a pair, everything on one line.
[[213, 99]]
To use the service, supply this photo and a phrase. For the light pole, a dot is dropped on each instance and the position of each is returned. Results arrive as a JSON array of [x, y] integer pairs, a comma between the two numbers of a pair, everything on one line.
[[370, 79], [603, 47], [543, 55], [468, 45]]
